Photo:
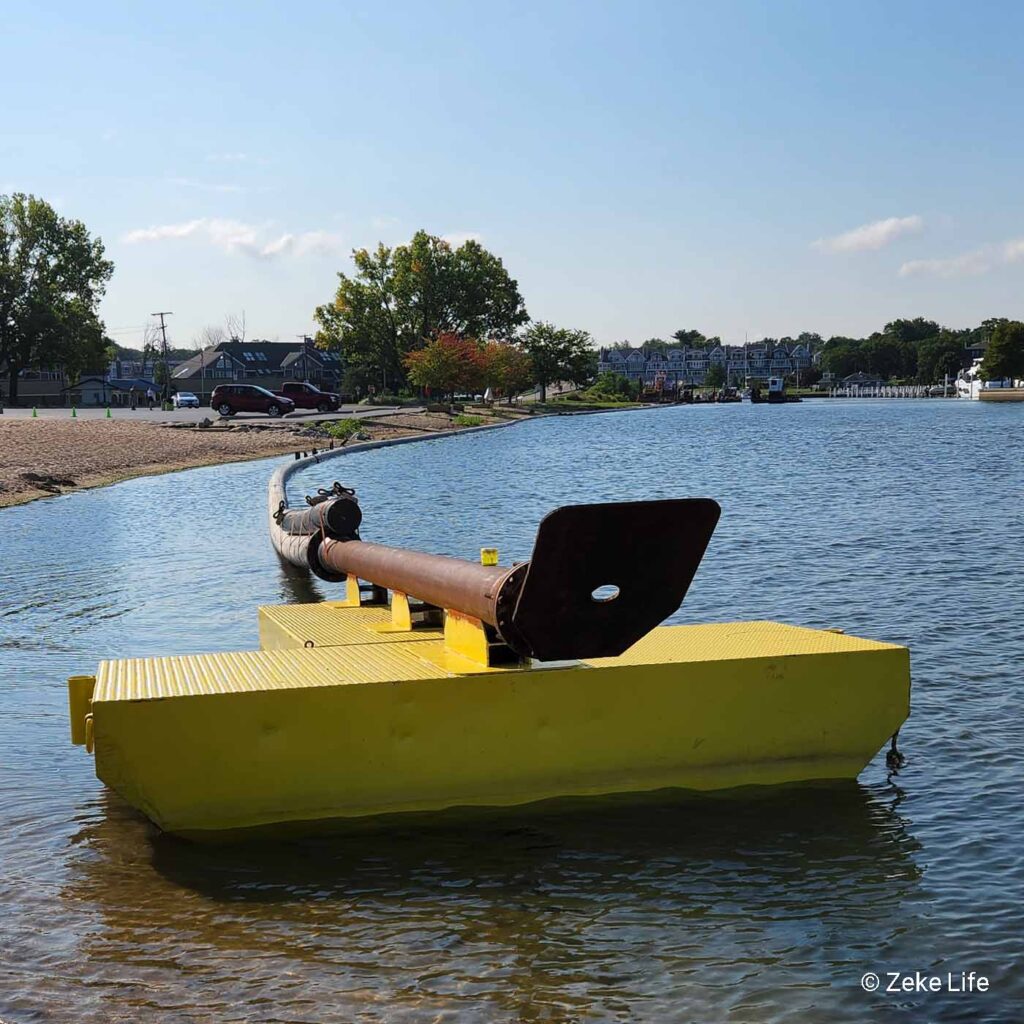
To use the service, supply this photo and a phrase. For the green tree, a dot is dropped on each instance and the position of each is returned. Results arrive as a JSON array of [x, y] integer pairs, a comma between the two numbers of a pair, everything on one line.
[[912, 331], [842, 356], [52, 277], [655, 347], [715, 377], [398, 299], [614, 387], [558, 353], [1004, 356], [886, 356], [690, 339], [941, 355]]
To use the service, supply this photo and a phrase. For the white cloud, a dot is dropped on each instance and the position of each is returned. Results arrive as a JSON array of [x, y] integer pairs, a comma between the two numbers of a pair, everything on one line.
[[457, 238], [233, 236], [875, 235], [1013, 250], [968, 264]]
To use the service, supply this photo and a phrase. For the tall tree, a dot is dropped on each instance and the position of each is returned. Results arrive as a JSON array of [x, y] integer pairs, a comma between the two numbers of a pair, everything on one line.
[[1004, 356], [715, 377], [398, 299], [941, 356], [52, 277], [913, 331], [558, 353], [655, 347], [691, 338]]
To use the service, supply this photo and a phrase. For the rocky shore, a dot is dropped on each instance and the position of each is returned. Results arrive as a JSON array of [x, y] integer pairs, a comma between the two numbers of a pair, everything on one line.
[[43, 457]]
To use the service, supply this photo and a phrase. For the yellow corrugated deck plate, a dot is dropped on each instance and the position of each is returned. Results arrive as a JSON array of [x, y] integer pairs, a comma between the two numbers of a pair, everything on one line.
[[206, 744], [717, 641], [331, 625], [234, 672]]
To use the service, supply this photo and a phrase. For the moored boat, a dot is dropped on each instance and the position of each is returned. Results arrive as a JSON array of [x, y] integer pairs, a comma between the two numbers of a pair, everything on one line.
[[971, 385]]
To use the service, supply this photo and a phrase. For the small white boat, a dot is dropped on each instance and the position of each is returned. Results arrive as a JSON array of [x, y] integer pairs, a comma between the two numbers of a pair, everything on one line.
[[970, 385]]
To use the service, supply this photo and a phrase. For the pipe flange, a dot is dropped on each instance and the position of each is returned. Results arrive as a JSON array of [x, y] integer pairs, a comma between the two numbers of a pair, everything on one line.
[[505, 608]]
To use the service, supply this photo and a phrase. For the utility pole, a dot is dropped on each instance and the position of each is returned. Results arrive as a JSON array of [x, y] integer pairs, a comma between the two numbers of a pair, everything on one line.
[[163, 352], [305, 339]]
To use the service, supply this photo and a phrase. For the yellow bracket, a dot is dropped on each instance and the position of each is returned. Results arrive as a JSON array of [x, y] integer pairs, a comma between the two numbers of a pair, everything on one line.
[[401, 616], [353, 597], [465, 635], [80, 690]]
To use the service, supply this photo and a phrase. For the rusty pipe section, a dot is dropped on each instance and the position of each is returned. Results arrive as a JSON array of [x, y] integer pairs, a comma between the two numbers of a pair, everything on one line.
[[436, 579]]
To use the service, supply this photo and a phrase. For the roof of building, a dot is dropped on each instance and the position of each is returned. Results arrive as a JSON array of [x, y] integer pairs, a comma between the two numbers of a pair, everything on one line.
[[200, 361], [114, 383]]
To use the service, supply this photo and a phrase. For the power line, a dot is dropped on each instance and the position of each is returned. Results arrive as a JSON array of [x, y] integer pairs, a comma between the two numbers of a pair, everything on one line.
[[163, 351]]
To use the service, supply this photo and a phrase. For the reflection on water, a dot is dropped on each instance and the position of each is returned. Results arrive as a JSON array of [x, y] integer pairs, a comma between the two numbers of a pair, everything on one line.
[[642, 908], [751, 906]]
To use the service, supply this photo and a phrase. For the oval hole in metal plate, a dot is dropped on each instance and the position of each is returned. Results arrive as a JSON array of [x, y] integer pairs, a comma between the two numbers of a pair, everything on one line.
[[604, 594]]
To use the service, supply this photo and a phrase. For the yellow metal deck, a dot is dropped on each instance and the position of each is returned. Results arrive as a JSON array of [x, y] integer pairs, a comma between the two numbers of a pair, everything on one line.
[[332, 624], [384, 722]]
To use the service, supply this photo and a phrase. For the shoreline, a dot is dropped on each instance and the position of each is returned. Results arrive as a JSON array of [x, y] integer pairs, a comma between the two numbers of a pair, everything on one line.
[[60, 452]]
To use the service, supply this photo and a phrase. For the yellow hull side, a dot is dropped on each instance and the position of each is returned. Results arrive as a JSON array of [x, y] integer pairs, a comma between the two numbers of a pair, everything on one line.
[[208, 743]]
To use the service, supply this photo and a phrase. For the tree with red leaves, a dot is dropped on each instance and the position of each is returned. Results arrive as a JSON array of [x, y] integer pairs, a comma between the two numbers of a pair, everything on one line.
[[448, 364], [507, 369]]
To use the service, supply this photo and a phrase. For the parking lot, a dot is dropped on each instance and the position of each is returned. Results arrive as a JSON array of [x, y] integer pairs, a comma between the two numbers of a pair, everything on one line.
[[196, 415]]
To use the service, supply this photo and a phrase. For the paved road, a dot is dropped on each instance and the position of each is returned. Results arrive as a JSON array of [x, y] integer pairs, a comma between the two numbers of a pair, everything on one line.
[[195, 415]]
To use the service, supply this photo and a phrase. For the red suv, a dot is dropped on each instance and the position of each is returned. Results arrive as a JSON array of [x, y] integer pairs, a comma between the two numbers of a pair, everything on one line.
[[228, 399]]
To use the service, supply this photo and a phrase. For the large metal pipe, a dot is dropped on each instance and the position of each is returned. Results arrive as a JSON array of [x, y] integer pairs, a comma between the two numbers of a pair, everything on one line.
[[436, 579]]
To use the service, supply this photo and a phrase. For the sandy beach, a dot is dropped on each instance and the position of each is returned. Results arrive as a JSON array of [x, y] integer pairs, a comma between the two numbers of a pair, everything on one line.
[[43, 457]]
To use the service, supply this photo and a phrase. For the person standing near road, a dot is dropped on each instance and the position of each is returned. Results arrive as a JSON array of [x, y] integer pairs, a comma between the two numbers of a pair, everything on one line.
[[150, 398], [133, 399]]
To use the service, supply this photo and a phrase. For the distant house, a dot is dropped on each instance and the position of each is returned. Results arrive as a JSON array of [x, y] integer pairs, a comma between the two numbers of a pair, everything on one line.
[[88, 390], [203, 372], [93, 389], [265, 363], [975, 350], [757, 360]]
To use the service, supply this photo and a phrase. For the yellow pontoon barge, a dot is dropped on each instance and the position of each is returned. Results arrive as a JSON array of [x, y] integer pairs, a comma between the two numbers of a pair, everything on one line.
[[478, 685]]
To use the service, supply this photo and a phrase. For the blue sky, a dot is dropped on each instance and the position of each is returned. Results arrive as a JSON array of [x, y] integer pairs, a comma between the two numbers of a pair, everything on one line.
[[741, 167]]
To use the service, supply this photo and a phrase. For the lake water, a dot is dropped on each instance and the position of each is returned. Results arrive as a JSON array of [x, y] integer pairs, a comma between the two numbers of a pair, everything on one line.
[[901, 521]]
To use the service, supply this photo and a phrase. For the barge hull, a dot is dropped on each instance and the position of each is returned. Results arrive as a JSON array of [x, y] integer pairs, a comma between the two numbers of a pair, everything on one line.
[[207, 745]]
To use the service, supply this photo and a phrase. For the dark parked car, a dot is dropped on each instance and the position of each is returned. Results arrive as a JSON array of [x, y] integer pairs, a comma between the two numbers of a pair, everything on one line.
[[306, 396], [228, 399]]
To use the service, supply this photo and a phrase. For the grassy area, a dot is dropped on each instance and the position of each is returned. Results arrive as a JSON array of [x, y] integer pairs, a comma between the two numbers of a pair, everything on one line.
[[462, 420], [342, 430]]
